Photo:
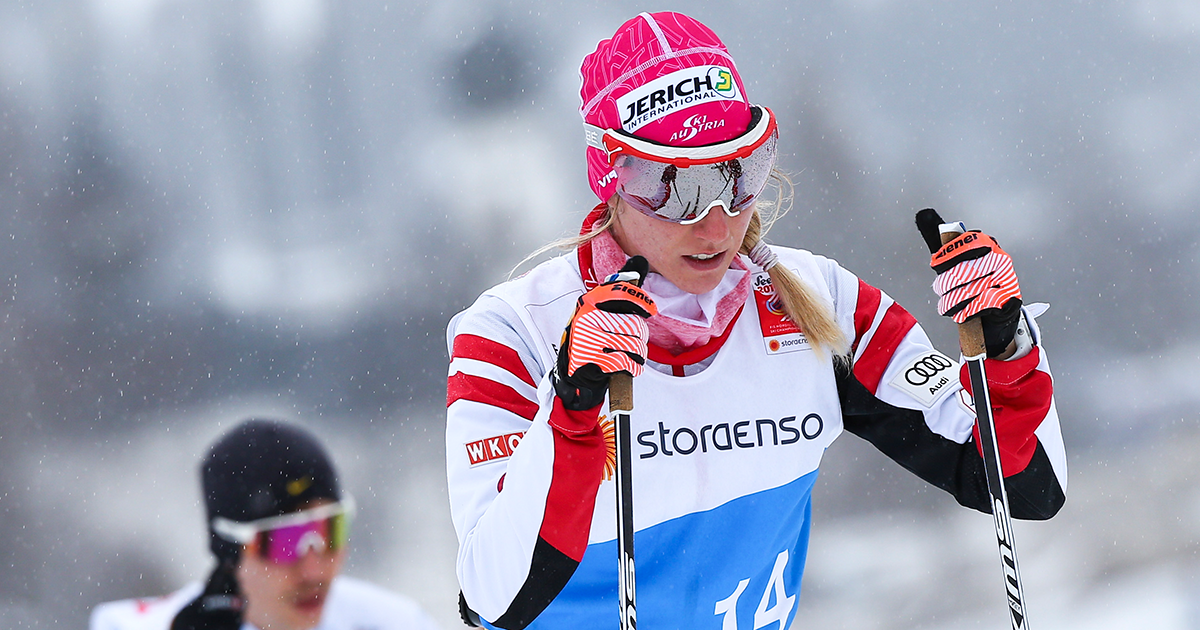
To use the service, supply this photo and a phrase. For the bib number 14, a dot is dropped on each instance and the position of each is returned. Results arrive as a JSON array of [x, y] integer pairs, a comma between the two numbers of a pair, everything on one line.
[[767, 613]]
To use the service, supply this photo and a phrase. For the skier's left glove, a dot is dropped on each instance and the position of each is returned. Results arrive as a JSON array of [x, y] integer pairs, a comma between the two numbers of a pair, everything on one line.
[[607, 334], [976, 278]]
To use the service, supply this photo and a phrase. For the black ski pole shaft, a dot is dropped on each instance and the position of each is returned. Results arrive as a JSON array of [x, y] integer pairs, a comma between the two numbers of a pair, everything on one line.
[[970, 339], [620, 404]]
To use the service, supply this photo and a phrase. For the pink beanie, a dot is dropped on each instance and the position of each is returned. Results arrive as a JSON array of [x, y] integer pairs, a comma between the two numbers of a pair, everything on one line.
[[663, 77]]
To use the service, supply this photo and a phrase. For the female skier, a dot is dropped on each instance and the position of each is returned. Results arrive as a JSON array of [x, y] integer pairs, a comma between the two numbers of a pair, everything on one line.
[[748, 361]]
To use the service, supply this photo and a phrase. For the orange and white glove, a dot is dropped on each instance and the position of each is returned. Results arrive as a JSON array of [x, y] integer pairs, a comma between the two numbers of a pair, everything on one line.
[[606, 335], [975, 278], [974, 275]]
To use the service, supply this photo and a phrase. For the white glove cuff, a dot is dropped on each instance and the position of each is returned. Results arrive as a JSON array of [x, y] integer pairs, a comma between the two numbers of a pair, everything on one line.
[[1027, 331]]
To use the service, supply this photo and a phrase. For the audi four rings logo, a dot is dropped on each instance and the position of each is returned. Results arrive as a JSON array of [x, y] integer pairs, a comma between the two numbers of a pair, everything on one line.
[[926, 368]]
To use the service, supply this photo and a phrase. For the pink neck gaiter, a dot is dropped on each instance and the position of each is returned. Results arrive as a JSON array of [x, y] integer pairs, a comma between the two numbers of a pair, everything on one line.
[[684, 321]]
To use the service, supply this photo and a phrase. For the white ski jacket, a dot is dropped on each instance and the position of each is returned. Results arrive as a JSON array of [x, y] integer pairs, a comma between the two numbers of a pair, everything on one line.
[[724, 459]]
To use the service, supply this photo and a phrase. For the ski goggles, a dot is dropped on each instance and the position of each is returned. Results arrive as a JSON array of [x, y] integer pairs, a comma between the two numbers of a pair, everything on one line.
[[681, 184], [285, 539]]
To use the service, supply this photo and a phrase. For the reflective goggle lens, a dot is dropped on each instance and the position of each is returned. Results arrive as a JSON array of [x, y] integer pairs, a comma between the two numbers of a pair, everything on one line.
[[685, 194], [287, 544]]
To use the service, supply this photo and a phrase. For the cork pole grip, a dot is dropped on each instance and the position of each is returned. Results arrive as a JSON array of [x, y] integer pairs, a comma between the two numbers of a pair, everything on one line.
[[970, 332], [620, 391]]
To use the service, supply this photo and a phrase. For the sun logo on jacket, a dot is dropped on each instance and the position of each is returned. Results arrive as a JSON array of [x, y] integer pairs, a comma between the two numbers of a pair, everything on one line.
[[610, 447]]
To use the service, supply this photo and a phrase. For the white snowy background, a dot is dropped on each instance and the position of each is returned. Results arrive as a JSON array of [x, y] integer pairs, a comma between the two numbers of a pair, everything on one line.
[[218, 209]]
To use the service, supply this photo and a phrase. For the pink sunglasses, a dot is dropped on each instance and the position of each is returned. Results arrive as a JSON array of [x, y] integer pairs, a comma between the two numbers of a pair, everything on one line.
[[285, 539]]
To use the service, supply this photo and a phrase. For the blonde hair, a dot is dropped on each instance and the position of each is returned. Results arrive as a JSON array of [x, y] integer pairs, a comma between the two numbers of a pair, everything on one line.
[[800, 303]]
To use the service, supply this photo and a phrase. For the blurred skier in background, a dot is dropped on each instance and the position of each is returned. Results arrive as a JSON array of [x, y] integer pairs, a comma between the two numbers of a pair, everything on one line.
[[278, 526], [758, 357]]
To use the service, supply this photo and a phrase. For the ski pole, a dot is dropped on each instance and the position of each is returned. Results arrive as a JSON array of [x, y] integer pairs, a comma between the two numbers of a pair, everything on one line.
[[971, 341], [620, 404]]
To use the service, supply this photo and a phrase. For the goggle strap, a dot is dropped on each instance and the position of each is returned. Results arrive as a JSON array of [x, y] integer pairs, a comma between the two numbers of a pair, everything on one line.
[[593, 136], [243, 533]]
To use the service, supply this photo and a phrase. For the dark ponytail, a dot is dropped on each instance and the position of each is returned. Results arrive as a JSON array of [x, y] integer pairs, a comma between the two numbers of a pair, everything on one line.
[[218, 607]]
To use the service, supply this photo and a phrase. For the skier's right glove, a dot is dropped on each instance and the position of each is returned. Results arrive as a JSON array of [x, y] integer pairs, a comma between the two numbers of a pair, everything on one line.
[[219, 607], [606, 335]]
